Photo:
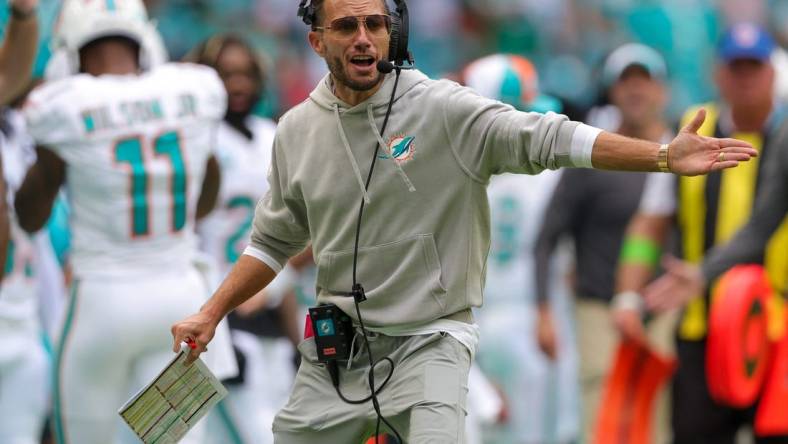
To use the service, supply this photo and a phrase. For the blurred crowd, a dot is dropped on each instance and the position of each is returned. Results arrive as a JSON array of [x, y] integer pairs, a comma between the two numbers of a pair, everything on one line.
[[566, 39]]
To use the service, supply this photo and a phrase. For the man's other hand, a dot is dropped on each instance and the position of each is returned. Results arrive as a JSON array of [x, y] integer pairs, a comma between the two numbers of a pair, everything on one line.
[[681, 282], [197, 331]]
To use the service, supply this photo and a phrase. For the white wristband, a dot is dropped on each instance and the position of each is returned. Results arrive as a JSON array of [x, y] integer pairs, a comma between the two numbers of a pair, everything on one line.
[[628, 300]]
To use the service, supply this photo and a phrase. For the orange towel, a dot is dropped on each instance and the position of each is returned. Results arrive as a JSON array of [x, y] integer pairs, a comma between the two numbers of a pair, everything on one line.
[[626, 412]]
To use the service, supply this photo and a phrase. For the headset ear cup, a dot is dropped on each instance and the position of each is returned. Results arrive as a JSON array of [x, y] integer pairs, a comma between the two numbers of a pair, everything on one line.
[[309, 17], [306, 12], [398, 47], [394, 42]]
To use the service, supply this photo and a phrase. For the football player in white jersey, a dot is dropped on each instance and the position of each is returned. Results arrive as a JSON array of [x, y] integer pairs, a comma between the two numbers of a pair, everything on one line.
[[132, 143], [244, 146], [24, 364], [543, 395]]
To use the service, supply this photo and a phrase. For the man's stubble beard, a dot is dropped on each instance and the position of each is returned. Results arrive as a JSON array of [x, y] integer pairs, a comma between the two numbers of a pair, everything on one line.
[[338, 71]]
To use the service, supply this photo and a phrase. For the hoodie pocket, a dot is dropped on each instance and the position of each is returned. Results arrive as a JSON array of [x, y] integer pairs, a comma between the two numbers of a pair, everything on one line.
[[397, 274]]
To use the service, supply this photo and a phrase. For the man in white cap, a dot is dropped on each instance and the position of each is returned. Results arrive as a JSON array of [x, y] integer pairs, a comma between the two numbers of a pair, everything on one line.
[[594, 207]]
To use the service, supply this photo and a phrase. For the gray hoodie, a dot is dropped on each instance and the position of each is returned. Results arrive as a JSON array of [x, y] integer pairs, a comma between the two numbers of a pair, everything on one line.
[[426, 228]]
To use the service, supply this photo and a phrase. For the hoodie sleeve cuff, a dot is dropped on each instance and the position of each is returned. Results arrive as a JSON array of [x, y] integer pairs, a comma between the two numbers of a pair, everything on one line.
[[582, 145], [264, 257]]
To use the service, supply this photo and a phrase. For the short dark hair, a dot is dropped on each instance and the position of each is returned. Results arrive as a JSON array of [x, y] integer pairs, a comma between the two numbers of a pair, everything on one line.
[[128, 41], [319, 12]]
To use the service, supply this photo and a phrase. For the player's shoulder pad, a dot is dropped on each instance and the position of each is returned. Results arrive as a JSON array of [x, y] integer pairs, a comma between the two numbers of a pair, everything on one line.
[[201, 80], [52, 110], [58, 93], [189, 71]]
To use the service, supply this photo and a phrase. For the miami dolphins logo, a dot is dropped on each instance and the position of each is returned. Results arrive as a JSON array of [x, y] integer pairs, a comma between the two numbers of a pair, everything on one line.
[[400, 148]]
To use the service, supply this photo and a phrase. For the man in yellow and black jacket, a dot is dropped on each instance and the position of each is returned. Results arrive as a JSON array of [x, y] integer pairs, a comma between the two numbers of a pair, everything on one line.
[[703, 212]]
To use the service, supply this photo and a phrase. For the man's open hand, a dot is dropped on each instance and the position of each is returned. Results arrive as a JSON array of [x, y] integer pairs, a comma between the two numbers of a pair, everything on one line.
[[691, 154]]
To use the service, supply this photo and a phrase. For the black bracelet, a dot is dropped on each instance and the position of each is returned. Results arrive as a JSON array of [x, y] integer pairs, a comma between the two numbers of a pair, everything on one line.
[[22, 15]]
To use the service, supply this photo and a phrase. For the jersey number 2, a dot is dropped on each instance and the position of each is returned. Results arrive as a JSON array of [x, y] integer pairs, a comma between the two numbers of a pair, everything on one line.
[[130, 151], [231, 251]]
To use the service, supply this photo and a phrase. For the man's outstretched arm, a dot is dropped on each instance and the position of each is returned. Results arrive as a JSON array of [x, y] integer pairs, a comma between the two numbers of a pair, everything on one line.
[[689, 154], [489, 138]]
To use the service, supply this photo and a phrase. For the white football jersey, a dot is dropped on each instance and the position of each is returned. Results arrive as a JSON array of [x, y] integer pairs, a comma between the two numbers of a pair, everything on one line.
[[244, 165], [517, 204], [135, 147], [19, 289], [509, 355]]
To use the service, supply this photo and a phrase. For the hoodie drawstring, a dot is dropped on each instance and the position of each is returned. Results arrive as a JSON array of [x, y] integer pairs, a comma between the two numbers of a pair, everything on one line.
[[352, 348], [349, 153], [383, 148]]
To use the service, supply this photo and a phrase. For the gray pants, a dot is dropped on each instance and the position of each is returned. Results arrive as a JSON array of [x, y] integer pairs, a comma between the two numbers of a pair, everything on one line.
[[424, 400]]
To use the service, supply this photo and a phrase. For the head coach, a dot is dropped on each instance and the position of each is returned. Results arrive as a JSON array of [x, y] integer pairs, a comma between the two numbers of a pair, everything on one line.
[[384, 171]]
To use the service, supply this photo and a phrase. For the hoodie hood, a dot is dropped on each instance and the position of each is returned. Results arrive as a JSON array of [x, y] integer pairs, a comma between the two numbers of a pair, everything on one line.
[[408, 79]]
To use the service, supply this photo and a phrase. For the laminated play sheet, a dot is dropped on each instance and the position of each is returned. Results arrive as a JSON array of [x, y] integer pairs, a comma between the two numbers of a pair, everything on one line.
[[164, 410]]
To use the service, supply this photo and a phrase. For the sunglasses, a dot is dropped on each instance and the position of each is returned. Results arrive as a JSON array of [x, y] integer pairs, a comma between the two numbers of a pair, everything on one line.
[[377, 24]]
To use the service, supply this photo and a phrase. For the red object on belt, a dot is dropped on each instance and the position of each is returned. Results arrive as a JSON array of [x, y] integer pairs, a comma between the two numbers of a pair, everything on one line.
[[382, 439], [308, 330]]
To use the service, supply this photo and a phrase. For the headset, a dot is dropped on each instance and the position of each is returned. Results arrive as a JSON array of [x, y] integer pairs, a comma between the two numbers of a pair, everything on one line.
[[398, 44]]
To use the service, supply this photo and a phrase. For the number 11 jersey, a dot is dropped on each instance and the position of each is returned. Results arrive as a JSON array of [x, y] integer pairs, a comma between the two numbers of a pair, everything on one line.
[[135, 148]]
